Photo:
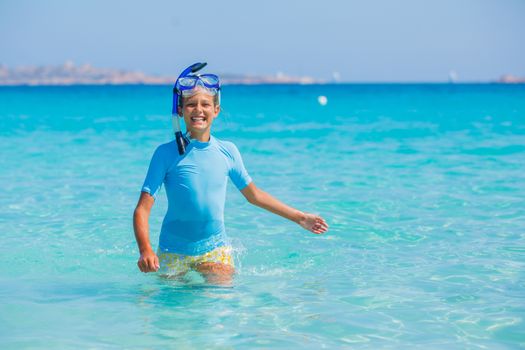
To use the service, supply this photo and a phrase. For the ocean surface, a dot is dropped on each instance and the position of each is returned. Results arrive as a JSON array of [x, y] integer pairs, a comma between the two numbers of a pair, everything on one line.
[[423, 187]]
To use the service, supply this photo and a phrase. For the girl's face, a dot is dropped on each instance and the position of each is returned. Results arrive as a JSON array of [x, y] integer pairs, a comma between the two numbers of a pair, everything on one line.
[[199, 111]]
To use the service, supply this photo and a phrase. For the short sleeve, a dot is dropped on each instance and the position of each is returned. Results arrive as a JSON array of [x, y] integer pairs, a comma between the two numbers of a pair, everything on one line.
[[156, 174], [238, 173]]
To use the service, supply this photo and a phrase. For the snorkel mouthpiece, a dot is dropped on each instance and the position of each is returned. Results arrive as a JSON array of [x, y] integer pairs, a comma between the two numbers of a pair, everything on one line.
[[182, 141]]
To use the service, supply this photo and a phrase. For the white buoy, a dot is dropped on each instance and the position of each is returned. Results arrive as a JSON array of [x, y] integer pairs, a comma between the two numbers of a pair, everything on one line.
[[322, 100]]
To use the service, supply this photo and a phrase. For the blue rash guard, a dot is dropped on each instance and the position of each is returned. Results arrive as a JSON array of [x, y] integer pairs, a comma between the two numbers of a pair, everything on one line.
[[195, 185]]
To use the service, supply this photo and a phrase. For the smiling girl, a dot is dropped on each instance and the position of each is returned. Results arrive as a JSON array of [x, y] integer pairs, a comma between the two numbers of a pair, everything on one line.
[[194, 169]]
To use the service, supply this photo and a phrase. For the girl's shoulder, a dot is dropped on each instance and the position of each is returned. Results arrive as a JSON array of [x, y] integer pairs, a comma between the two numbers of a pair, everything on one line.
[[228, 148], [225, 144]]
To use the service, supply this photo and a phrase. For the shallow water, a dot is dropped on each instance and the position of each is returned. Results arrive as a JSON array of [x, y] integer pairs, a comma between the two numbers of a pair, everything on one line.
[[423, 187]]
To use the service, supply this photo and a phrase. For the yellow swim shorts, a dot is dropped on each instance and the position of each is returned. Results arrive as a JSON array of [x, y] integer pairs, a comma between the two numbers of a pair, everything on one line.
[[172, 264]]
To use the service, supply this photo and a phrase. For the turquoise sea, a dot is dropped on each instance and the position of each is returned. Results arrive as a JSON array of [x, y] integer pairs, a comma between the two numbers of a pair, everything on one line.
[[423, 187]]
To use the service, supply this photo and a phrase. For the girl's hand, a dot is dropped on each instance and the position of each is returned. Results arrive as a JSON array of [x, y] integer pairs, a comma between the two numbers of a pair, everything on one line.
[[313, 223], [148, 262]]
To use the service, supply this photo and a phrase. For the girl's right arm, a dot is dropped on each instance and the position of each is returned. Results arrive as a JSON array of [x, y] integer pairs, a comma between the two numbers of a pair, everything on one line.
[[148, 261]]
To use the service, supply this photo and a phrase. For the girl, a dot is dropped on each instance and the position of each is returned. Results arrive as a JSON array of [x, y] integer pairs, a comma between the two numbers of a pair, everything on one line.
[[194, 169]]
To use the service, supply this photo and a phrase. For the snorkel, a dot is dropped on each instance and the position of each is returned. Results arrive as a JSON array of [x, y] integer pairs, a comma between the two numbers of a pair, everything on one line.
[[182, 141]]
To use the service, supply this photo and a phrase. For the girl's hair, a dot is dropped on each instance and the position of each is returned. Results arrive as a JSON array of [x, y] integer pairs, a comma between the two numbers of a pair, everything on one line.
[[216, 99]]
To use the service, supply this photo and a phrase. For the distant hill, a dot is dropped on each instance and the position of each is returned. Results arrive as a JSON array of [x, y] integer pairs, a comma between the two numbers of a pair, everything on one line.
[[70, 74], [511, 79]]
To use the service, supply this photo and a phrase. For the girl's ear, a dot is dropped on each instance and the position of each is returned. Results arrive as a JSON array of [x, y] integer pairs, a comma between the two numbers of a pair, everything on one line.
[[179, 110], [217, 109]]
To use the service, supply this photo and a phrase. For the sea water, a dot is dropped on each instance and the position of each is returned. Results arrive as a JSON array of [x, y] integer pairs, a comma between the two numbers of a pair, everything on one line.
[[423, 187]]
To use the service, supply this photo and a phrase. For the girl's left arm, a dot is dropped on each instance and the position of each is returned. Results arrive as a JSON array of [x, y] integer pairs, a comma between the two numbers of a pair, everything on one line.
[[310, 222]]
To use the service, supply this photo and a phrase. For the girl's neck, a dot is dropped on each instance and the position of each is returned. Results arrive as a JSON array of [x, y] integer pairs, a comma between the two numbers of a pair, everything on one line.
[[201, 137]]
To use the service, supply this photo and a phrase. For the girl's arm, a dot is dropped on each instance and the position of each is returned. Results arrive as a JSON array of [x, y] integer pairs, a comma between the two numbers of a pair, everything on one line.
[[148, 261], [310, 222]]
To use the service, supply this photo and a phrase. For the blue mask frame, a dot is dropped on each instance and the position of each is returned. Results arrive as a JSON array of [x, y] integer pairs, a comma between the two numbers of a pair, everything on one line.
[[190, 72]]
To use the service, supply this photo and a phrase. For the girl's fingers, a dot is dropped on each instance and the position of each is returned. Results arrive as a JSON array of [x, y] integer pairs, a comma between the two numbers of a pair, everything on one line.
[[157, 265], [321, 223], [151, 265], [318, 230]]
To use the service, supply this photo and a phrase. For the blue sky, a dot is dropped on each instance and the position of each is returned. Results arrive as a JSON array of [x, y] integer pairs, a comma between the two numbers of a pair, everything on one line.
[[365, 41]]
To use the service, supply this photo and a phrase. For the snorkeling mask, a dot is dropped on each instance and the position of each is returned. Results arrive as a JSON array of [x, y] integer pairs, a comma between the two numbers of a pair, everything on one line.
[[185, 84]]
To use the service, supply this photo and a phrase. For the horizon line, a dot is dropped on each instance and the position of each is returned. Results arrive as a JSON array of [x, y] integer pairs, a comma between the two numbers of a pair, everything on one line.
[[422, 82]]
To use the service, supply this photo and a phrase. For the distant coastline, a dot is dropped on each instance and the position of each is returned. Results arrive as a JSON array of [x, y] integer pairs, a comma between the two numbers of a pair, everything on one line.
[[71, 74], [511, 79]]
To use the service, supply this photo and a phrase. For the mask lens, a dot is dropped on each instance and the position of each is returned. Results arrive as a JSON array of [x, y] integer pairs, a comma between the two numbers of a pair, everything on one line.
[[187, 81], [210, 80]]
